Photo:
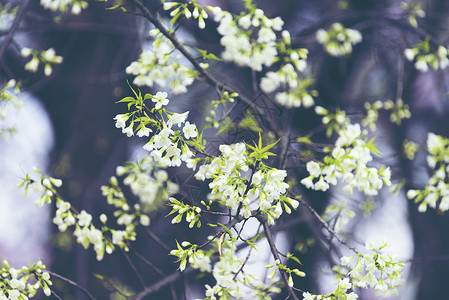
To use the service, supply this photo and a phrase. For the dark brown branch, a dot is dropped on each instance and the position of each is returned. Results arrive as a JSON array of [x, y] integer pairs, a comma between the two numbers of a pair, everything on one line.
[[275, 253], [325, 225], [148, 263], [56, 295], [14, 27], [72, 283], [157, 239], [162, 283], [244, 263], [207, 77], [113, 286], [133, 267]]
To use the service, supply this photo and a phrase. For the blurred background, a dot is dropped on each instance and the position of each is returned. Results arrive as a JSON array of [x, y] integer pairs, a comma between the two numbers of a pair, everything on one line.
[[66, 128]]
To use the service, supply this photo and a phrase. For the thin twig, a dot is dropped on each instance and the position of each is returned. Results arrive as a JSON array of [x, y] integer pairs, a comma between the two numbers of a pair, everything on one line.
[[72, 283], [275, 253], [112, 285], [157, 239], [244, 263], [148, 263], [56, 295], [325, 225], [133, 267], [162, 283]]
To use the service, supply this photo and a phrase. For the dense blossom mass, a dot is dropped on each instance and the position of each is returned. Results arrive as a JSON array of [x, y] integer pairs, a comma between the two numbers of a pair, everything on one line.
[[251, 178]]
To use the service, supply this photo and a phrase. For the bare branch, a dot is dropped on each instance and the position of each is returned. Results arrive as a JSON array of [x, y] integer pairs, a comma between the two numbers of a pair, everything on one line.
[[275, 253], [72, 283], [325, 225]]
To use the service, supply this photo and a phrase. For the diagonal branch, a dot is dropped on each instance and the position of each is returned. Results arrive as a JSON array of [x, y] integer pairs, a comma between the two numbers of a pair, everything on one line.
[[275, 253], [14, 27], [208, 78], [72, 283], [162, 283], [325, 225]]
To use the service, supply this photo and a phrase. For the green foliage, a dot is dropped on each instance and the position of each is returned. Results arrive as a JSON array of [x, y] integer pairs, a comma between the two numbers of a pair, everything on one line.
[[259, 152]]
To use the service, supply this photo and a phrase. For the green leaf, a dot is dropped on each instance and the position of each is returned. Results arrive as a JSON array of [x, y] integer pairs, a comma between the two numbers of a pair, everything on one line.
[[292, 257], [226, 228], [372, 147], [132, 89], [126, 99], [270, 146], [252, 244], [250, 123], [206, 55]]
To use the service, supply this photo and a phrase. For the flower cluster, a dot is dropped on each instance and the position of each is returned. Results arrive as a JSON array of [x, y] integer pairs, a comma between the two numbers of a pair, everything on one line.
[[231, 281], [410, 149], [348, 161], [249, 39], [437, 186], [187, 10], [296, 93], [224, 272], [47, 57], [160, 100], [75, 6], [413, 11], [290, 77], [376, 269], [167, 147], [340, 213], [399, 111], [45, 186], [227, 171], [264, 190], [161, 65], [372, 114], [193, 213], [338, 40], [85, 232], [151, 185], [127, 215], [197, 258], [333, 121], [163, 146], [424, 58], [341, 292], [225, 98], [24, 283]]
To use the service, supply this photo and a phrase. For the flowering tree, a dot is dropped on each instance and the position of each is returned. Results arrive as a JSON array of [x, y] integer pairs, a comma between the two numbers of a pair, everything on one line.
[[285, 146]]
